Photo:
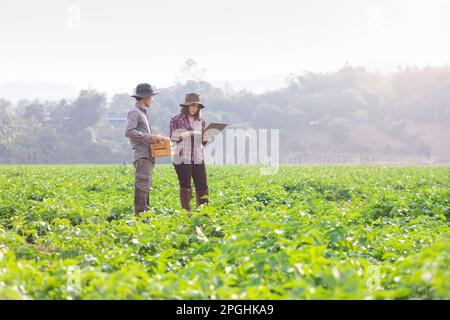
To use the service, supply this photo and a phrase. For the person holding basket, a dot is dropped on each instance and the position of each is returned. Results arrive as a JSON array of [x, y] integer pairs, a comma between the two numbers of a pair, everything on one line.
[[139, 132]]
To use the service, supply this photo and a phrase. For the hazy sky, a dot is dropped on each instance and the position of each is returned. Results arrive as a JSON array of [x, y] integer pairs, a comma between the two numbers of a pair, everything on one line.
[[115, 44]]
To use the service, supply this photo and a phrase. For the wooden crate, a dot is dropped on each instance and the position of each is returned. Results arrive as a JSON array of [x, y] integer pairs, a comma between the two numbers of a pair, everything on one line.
[[162, 149]]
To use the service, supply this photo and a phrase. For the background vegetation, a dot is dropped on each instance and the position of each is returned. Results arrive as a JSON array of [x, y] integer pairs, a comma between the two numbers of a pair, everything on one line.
[[348, 112]]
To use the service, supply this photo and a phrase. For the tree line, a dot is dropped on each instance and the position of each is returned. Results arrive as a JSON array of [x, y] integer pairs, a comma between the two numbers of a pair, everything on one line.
[[350, 110]]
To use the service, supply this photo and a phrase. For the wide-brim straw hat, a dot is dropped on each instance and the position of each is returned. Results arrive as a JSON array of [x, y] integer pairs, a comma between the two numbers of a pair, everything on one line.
[[192, 98], [144, 90]]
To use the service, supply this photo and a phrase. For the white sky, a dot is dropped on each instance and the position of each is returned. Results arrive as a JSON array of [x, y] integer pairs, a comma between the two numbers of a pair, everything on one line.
[[121, 43]]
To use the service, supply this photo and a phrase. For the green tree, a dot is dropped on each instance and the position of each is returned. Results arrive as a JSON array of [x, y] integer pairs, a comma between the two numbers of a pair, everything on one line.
[[87, 109], [338, 129]]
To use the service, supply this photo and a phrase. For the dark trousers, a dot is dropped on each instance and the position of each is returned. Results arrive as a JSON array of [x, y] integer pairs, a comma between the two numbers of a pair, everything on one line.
[[142, 184], [197, 171]]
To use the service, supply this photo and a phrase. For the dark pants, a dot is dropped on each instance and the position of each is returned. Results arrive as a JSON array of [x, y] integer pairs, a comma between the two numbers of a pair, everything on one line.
[[143, 170], [197, 171]]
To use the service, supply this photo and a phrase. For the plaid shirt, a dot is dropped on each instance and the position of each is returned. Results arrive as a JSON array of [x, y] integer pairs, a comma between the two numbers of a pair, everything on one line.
[[189, 150]]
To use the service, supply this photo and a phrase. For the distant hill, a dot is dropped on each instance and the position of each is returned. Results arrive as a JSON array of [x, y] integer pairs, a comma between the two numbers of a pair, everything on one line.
[[348, 116], [15, 91], [369, 143]]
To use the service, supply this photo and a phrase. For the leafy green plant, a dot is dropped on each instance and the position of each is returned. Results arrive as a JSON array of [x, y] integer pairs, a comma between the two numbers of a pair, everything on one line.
[[319, 232]]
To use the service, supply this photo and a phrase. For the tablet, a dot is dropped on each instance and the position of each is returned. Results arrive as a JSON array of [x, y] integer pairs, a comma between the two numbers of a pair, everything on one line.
[[213, 129], [216, 125]]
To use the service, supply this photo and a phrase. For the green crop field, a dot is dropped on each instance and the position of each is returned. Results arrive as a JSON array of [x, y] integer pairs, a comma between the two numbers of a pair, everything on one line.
[[317, 232]]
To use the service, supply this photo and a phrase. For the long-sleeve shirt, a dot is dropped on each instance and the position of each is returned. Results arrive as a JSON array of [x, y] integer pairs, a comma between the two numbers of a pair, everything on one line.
[[190, 149], [138, 130]]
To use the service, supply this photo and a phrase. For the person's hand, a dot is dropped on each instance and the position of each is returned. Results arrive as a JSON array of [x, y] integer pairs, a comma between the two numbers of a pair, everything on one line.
[[186, 134], [156, 139], [209, 134]]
